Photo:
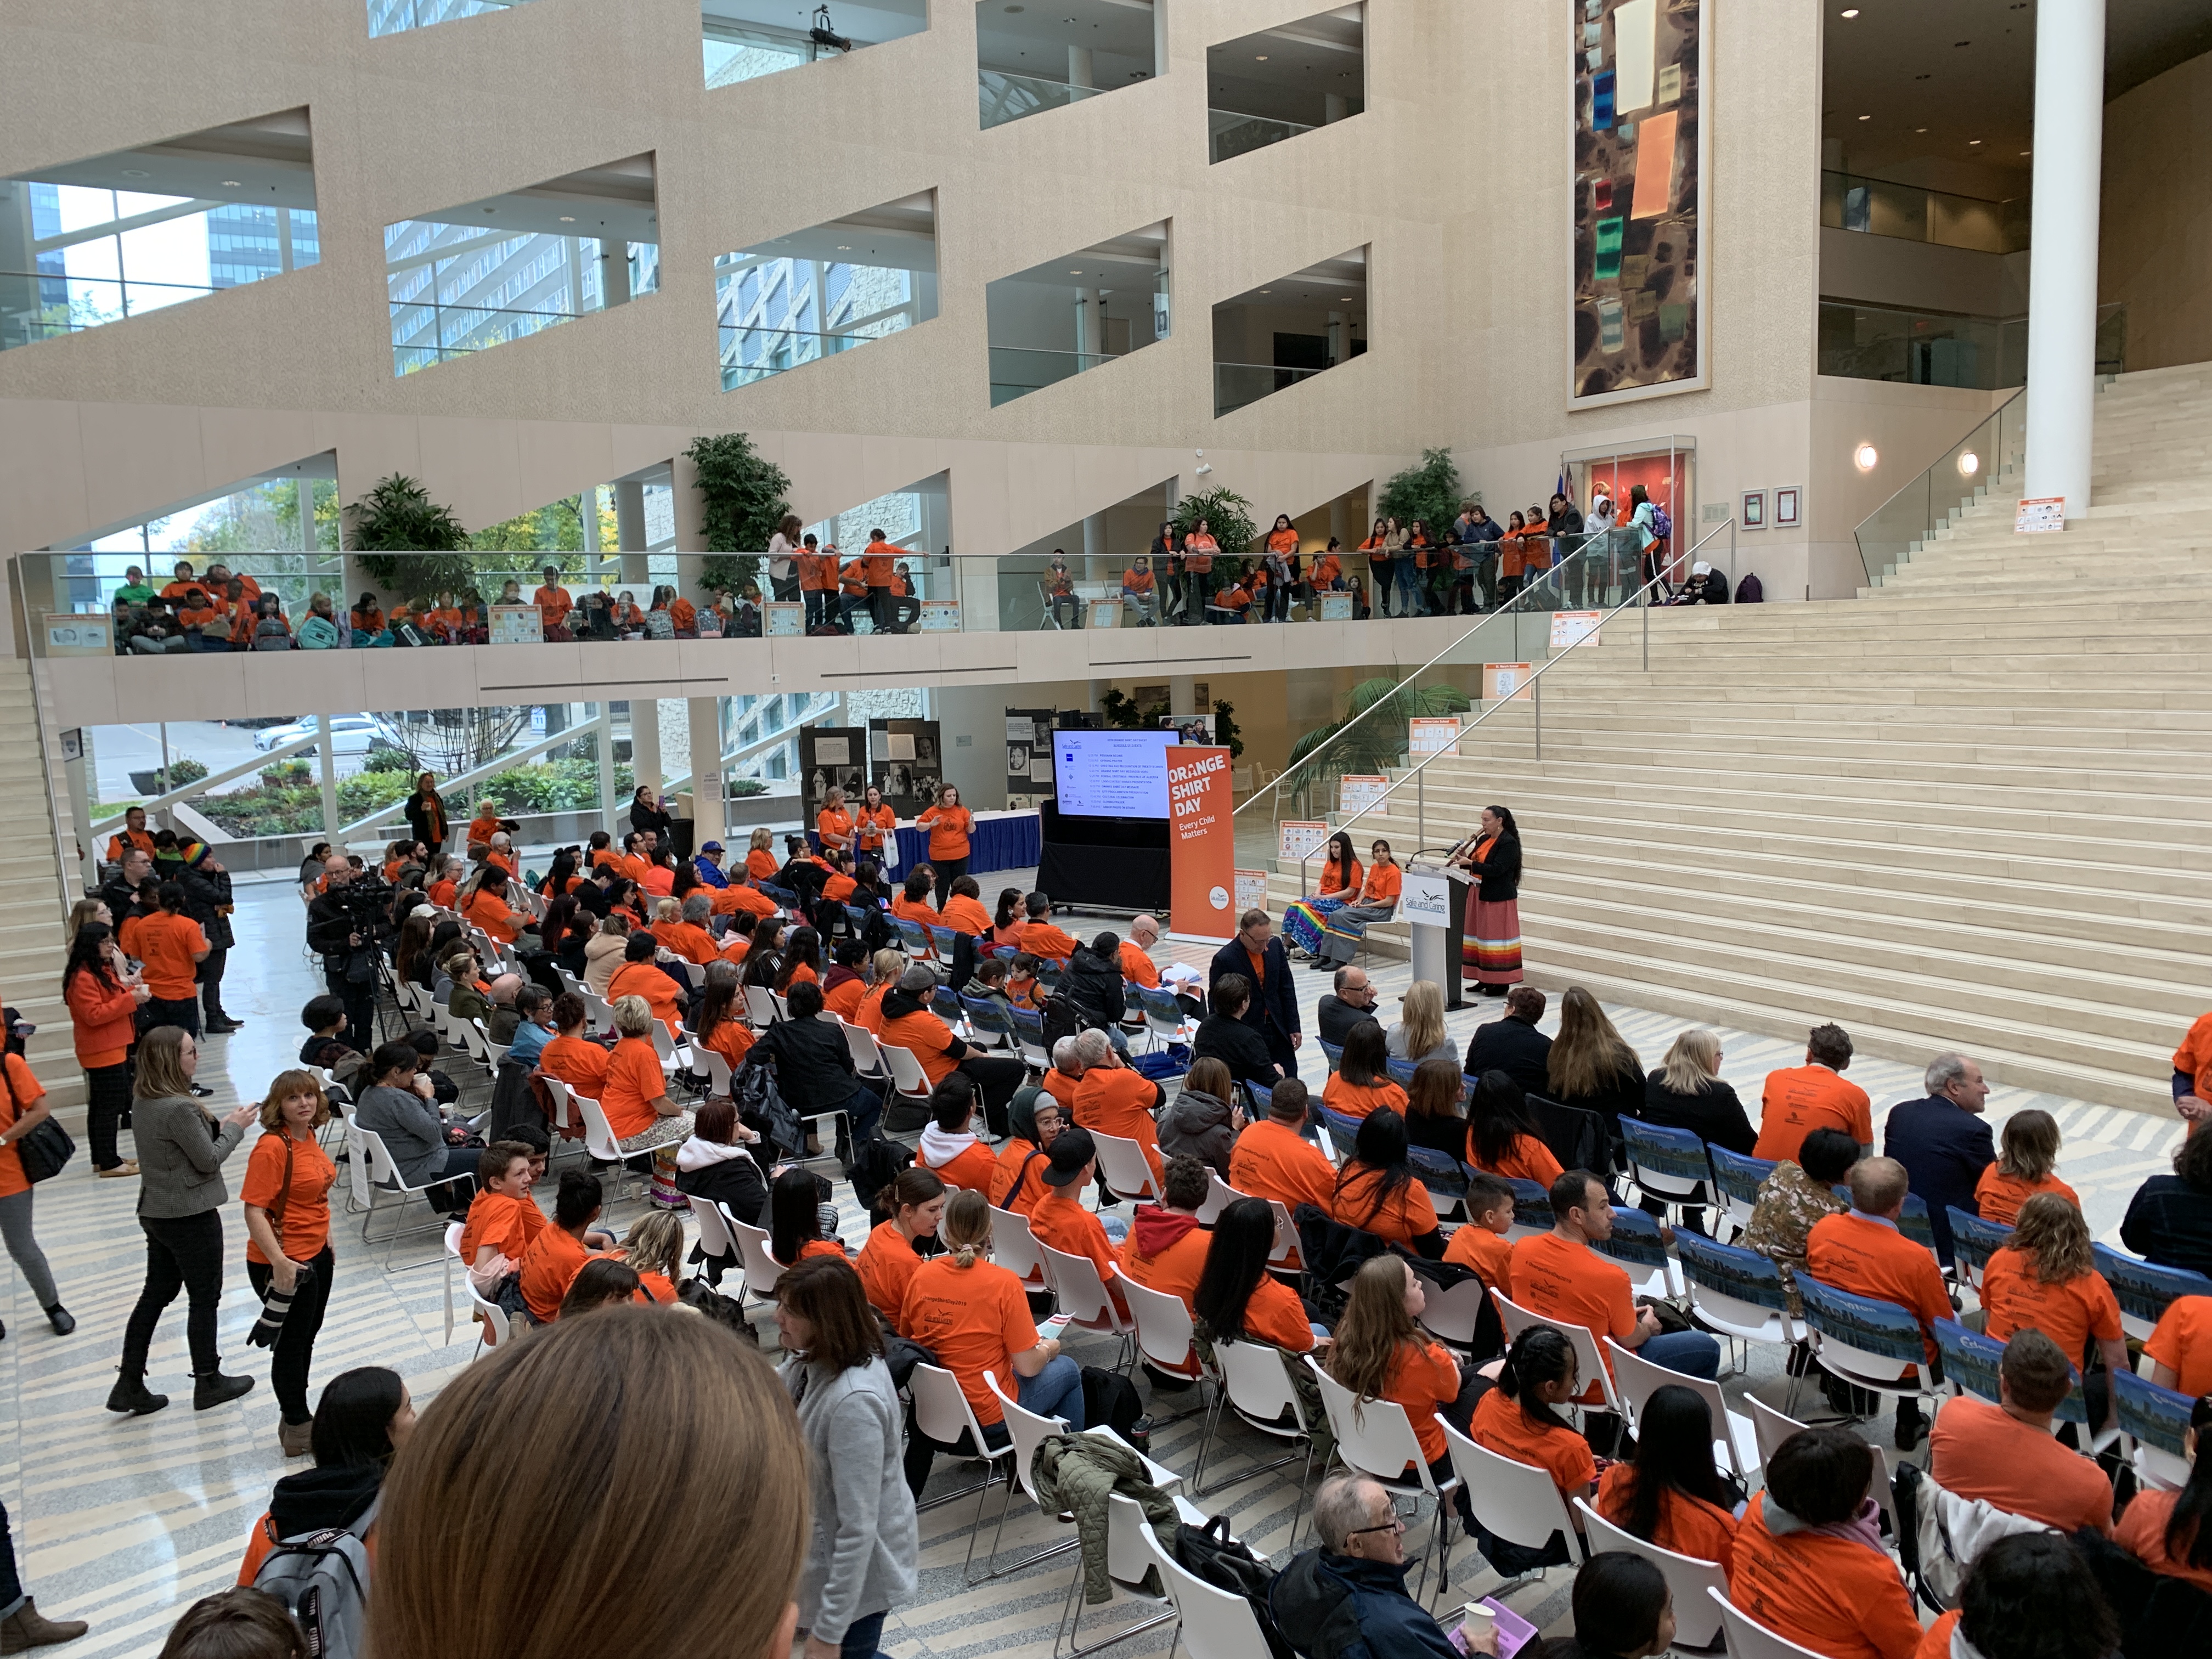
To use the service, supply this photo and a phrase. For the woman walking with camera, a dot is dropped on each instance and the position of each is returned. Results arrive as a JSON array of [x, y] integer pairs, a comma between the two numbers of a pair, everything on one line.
[[23, 1107], [180, 1199], [286, 1197]]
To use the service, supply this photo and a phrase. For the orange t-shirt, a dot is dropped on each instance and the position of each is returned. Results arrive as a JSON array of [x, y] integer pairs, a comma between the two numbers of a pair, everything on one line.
[[510, 1225], [1936, 1643], [735, 897], [1688, 1526], [2143, 1534], [1423, 1376], [949, 827], [1043, 940], [869, 1015], [916, 910], [1799, 1099], [1561, 1279], [164, 944], [440, 893], [1485, 1254], [843, 999], [836, 828], [1998, 1197], [2183, 1343], [873, 826], [975, 1320], [1275, 1315], [887, 1266], [1832, 1594], [1117, 1101], [1334, 881], [582, 1066], [1500, 1425], [1063, 1087], [28, 1091], [689, 940], [1526, 1159], [1354, 1100], [761, 865], [2193, 1060], [306, 1202], [634, 1082], [2068, 1313], [645, 979], [814, 1247], [927, 1036], [1175, 1270], [839, 888], [1137, 967], [101, 1020], [1406, 1216], [1019, 1184], [1135, 580], [730, 1038], [490, 913], [1977, 1451], [481, 829], [1061, 1222], [972, 1167], [1383, 883], [818, 572], [964, 915], [553, 604], [1273, 1161], [1868, 1257], [549, 1268]]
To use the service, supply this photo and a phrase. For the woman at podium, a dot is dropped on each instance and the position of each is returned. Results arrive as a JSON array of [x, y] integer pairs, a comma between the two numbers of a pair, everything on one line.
[[1490, 949]]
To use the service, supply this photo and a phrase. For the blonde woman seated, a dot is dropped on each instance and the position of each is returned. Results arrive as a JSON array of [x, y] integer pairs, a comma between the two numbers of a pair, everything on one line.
[[1419, 1033]]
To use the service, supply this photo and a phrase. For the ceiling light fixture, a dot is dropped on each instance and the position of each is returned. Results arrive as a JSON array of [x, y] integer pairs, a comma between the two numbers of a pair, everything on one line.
[[233, 183], [1973, 141], [1866, 117], [1261, 59], [1853, 12], [568, 218], [1920, 129], [1866, 456], [136, 173]]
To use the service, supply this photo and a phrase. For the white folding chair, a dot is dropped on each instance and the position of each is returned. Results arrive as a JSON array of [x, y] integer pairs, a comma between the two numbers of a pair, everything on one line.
[[601, 1141], [1164, 1337], [1014, 1248], [1735, 1442], [1517, 1502], [1219, 1195], [867, 1059], [1129, 1562], [1452, 1314], [1085, 1300], [1697, 1622], [1029, 1430], [760, 1007], [601, 1012], [366, 1145], [910, 1082], [1746, 1640], [718, 1070], [764, 1272], [1216, 1624], [1126, 1170], [1376, 1438], [941, 1413], [716, 1242], [1588, 1359], [490, 1318], [673, 1058], [696, 972], [1255, 1384]]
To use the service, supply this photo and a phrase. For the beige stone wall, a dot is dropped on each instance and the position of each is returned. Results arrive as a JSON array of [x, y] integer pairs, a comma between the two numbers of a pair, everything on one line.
[[2154, 254]]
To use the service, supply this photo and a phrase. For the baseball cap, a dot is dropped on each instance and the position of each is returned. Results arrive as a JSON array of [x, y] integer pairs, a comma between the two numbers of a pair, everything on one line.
[[712, 846], [1071, 1154]]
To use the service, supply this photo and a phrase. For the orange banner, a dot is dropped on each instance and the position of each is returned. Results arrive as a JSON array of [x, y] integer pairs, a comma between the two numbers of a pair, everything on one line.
[[1202, 842]]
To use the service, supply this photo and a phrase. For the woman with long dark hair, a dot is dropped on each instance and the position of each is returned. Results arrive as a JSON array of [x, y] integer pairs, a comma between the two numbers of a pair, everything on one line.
[[1591, 1066], [1305, 921], [1376, 900], [1434, 1119], [802, 960], [1673, 1495], [1502, 1138], [553, 927], [1008, 921], [363, 1418], [796, 1227], [1237, 1299], [1622, 1610], [428, 819], [1516, 1419], [561, 879], [102, 1007], [1490, 950], [718, 1021], [1377, 1192], [1361, 1083], [1161, 555], [764, 961]]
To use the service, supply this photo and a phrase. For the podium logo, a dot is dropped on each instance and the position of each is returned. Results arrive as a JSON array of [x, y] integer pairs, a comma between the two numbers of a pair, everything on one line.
[[1218, 897]]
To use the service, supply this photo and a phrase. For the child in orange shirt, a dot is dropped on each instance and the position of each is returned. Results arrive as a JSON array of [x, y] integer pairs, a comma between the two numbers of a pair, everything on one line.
[[1480, 1246], [2025, 1157]]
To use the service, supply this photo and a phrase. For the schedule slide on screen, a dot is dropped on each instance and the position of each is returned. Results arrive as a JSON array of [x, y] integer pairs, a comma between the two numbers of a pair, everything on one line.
[[1112, 775]]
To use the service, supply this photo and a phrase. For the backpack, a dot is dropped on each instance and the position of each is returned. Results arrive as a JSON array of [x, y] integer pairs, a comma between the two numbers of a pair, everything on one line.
[[1061, 1018], [760, 1108], [1111, 1399], [321, 1578], [1208, 1552], [877, 1163], [1749, 590], [659, 625], [1661, 525]]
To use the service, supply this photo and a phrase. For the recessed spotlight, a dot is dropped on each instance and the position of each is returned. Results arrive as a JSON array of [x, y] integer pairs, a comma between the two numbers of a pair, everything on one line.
[[233, 183], [136, 173], [2027, 152], [1853, 12], [1866, 455], [844, 247], [1969, 464], [1920, 129], [1973, 141], [568, 218], [1267, 290], [1261, 59], [1866, 117]]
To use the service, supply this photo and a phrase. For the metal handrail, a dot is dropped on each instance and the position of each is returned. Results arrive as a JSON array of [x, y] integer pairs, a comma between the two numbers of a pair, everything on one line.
[[1290, 768], [1987, 480], [1535, 682]]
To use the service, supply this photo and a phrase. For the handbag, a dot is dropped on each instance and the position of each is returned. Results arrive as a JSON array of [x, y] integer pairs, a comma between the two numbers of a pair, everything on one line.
[[45, 1148]]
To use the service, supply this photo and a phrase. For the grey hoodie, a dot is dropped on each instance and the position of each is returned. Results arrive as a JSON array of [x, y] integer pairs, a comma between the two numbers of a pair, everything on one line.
[[1197, 1126], [866, 1548]]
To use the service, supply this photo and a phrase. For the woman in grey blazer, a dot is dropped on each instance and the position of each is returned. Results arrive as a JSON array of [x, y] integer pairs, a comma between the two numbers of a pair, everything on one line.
[[866, 1548], [181, 1198]]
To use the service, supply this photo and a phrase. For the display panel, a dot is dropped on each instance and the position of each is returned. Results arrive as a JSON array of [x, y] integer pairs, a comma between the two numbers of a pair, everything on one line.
[[1111, 774]]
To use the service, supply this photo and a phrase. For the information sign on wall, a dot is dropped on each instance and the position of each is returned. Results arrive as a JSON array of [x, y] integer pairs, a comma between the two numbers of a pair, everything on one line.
[[1501, 680], [80, 633], [939, 617], [1357, 794], [1432, 735], [1297, 838], [1573, 628], [516, 624], [1335, 607], [2038, 515], [783, 618]]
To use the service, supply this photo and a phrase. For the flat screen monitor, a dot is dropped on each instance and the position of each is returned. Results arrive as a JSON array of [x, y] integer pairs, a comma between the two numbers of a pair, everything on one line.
[[1111, 774]]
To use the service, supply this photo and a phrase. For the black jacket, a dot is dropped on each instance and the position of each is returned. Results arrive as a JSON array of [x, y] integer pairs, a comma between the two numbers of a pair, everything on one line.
[[1514, 1047], [642, 817], [1944, 1149], [1276, 1002], [735, 1181], [328, 926], [1447, 1136], [1338, 1016], [318, 1500], [2170, 1222], [1238, 1047], [419, 827], [1093, 985], [1339, 1607], [813, 1067], [1501, 871], [1714, 1115], [1615, 1097], [207, 897]]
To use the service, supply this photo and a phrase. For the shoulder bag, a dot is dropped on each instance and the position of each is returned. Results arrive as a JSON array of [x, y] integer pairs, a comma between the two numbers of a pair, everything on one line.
[[45, 1149]]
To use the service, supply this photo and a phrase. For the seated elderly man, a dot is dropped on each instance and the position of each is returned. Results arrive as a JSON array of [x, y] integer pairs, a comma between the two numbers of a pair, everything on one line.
[[505, 1015], [1348, 1597]]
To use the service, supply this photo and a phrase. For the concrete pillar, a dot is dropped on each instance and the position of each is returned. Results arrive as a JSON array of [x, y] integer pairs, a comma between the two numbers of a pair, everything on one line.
[[1334, 106], [1098, 556], [2062, 282], [1079, 67], [1339, 522], [603, 753], [1182, 695], [327, 766], [708, 813], [1090, 326], [1336, 338], [629, 530], [614, 272], [645, 742]]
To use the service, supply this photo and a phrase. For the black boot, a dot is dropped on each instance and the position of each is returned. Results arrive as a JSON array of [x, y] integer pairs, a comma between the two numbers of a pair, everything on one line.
[[211, 1389], [1911, 1426], [131, 1395], [61, 1319]]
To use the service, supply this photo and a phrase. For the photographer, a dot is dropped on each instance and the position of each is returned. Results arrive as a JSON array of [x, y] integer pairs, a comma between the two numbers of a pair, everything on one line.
[[208, 902], [341, 929]]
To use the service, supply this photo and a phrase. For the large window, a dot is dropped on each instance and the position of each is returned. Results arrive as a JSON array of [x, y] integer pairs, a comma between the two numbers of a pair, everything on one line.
[[391, 16], [1030, 59], [95, 242], [1077, 313], [745, 39], [1264, 88], [816, 293]]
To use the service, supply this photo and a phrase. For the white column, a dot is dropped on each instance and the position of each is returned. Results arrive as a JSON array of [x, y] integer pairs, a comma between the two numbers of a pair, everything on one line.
[[1334, 106], [2062, 284], [1097, 557], [614, 271], [327, 766], [629, 530], [644, 743], [707, 812], [1182, 695], [1079, 67]]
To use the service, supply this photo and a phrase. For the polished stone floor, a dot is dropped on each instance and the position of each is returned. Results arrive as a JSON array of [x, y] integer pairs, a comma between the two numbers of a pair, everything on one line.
[[124, 1521]]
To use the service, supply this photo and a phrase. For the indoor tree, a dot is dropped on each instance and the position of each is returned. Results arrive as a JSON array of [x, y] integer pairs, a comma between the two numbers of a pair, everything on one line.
[[1228, 518], [1372, 746], [741, 502], [1430, 492], [397, 517]]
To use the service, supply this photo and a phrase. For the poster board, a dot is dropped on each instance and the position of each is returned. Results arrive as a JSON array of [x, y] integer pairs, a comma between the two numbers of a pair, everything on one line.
[[1432, 735], [2039, 515], [80, 633], [780, 618], [939, 617], [831, 754], [1029, 754], [516, 624], [1251, 890], [1104, 613], [1334, 607], [1201, 843], [906, 761], [1503, 680], [1357, 793], [1296, 839], [1572, 628]]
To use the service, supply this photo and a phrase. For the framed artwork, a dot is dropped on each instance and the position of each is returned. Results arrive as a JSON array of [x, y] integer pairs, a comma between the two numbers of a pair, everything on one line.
[[1754, 516], [1789, 506], [1637, 229]]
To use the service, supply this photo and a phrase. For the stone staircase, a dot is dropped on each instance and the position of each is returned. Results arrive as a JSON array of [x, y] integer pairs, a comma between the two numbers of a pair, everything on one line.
[[32, 950], [1972, 809]]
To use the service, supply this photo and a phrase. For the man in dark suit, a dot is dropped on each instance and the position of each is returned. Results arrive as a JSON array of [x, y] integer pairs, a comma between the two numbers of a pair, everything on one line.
[[1513, 1045], [1256, 955], [1944, 1141], [1351, 1000]]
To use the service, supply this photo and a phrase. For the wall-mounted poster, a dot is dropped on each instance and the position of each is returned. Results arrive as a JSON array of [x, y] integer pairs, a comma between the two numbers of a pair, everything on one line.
[[905, 763], [831, 754], [1029, 746], [1754, 510], [516, 624], [1789, 507], [1640, 71]]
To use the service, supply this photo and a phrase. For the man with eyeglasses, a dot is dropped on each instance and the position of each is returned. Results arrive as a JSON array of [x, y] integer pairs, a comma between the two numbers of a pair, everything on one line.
[[1350, 1001], [1350, 1594]]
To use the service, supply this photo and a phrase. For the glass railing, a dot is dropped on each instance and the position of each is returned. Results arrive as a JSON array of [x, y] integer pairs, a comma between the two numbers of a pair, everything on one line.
[[1879, 207], [427, 332], [754, 353], [55, 305], [1004, 97], [1961, 475], [1933, 348], [1229, 133], [1237, 385], [1017, 371]]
